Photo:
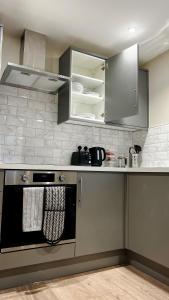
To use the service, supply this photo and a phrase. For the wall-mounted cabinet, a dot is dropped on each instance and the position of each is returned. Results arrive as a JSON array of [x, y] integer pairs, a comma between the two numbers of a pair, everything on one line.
[[87, 87], [84, 97], [101, 90]]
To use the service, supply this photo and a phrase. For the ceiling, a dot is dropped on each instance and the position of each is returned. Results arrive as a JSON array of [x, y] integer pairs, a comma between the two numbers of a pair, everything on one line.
[[94, 25]]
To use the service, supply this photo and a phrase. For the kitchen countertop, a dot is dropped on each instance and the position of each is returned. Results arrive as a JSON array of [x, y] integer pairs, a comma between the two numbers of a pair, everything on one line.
[[4, 166]]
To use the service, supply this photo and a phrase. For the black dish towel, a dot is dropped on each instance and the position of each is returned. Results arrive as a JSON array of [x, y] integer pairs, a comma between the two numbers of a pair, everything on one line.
[[54, 213]]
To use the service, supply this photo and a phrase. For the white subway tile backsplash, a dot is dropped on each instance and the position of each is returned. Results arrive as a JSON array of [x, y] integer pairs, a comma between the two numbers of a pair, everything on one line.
[[46, 98], [29, 132], [12, 110], [55, 143], [34, 142], [55, 161], [25, 112], [35, 123], [46, 116], [51, 107], [45, 133], [32, 95], [155, 145], [36, 106], [10, 140], [17, 101], [23, 93], [40, 152], [53, 125], [14, 159], [3, 119], [16, 120], [2, 140], [34, 160], [21, 140], [5, 110], [3, 99], [7, 130], [8, 90]]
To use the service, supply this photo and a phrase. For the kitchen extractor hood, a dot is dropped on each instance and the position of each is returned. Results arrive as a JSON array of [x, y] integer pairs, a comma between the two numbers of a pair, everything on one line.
[[32, 79], [30, 74]]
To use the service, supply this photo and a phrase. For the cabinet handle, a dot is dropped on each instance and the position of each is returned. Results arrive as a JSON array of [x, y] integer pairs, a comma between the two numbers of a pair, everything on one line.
[[80, 191]]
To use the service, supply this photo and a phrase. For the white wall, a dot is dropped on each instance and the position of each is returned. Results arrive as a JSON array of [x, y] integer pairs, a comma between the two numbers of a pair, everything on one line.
[[159, 90]]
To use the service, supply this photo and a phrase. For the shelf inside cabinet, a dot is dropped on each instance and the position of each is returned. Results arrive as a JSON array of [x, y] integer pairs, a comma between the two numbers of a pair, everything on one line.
[[87, 81], [79, 118], [86, 62], [86, 98]]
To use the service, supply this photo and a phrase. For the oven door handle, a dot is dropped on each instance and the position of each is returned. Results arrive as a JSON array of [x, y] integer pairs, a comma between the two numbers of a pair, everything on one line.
[[80, 191]]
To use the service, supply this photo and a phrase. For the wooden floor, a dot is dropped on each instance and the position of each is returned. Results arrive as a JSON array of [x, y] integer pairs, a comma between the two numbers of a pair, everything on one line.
[[120, 283]]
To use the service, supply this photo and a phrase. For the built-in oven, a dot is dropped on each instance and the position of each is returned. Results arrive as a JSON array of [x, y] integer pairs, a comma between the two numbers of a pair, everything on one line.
[[12, 236]]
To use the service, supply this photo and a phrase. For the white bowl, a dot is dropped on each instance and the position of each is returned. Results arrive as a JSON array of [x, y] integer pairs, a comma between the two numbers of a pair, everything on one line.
[[77, 87]]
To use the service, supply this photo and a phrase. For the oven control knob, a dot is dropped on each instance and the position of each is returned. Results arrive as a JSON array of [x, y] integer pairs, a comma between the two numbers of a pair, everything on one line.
[[24, 178], [61, 178]]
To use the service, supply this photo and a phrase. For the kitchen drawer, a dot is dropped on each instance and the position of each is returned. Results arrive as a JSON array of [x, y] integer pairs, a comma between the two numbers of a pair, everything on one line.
[[36, 256]]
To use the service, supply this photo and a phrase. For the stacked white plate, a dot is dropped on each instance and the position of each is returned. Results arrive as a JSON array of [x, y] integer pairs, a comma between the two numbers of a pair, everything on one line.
[[91, 93], [87, 116], [77, 87]]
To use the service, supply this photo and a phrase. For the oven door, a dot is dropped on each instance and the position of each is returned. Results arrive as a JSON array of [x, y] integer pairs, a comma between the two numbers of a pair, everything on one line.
[[12, 236]]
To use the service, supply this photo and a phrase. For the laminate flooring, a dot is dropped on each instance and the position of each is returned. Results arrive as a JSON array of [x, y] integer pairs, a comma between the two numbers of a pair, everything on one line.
[[116, 283]]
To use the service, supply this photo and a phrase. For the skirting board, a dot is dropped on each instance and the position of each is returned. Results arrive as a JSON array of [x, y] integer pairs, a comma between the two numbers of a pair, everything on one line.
[[46, 271], [149, 267]]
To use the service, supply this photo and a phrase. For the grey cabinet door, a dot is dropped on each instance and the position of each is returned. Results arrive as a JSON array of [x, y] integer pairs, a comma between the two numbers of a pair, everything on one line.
[[100, 213], [1, 41], [140, 120], [64, 93], [148, 216], [122, 85]]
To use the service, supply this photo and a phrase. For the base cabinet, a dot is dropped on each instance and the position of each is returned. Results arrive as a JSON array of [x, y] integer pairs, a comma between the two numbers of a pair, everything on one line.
[[148, 216], [100, 213]]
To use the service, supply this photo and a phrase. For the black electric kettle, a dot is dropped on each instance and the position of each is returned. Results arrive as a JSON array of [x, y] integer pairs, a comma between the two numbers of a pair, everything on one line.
[[98, 154]]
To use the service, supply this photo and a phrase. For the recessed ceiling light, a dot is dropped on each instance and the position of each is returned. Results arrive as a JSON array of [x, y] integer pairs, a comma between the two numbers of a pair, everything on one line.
[[132, 29]]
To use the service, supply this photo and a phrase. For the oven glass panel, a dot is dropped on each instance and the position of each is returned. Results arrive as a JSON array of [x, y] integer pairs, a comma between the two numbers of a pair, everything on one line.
[[11, 229], [43, 177]]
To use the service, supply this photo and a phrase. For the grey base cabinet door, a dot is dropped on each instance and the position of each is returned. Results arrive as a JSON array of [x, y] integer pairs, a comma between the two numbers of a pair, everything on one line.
[[100, 213], [148, 216]]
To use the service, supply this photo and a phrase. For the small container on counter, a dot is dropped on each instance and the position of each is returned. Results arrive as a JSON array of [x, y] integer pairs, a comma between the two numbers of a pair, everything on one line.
[[135, 156], [135, 160], [110, 160], [121, 161]]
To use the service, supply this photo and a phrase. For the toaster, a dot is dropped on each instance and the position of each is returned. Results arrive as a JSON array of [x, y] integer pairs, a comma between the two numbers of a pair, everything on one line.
[[81, 157]]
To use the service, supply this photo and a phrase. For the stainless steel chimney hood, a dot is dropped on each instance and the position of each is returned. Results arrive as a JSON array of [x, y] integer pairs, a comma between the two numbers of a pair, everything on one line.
[[32, 79], [27, 75]]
